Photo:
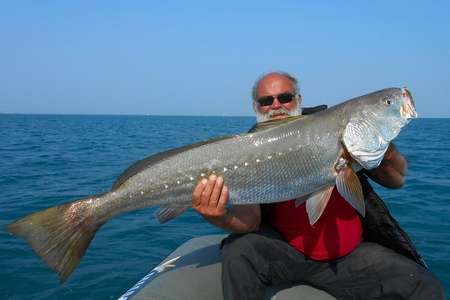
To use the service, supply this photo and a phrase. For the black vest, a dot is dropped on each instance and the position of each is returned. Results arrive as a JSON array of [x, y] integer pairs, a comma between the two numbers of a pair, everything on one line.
[[379, 225]]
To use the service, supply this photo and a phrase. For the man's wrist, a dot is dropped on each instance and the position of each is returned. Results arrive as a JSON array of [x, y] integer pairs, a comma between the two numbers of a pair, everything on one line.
[[222, 221], [225, 220]]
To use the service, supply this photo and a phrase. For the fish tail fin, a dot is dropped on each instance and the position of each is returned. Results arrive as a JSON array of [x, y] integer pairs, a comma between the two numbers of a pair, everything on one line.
[[60, 235]]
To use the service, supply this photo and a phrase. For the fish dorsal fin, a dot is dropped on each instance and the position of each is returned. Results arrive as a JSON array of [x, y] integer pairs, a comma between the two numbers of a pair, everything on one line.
[[316, 203], [144, 163], [348, 185], [273, 123]]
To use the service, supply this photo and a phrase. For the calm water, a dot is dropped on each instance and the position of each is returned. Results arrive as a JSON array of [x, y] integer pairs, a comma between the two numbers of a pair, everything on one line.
[[46, 160]]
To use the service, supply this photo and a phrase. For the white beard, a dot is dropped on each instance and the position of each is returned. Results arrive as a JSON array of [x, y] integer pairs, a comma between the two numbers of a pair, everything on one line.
[[260, 117]]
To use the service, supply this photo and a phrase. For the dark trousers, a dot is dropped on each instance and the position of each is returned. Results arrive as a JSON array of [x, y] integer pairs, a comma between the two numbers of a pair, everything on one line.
[[255, 260]]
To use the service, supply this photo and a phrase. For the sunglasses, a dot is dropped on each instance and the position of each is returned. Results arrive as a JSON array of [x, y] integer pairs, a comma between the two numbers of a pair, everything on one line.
[[282, 98]]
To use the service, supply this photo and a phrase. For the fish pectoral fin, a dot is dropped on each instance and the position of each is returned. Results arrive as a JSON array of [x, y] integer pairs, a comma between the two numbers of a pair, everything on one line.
[[316, 203], [348, 185], [364, 143], [301, 200], [168, 212]]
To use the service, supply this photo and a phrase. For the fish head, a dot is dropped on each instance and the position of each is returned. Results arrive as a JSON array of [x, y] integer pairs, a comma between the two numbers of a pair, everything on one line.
[[389, 110], [375, 120]]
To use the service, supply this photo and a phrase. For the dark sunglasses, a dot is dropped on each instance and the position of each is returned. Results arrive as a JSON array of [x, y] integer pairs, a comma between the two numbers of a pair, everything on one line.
[[282, 98]]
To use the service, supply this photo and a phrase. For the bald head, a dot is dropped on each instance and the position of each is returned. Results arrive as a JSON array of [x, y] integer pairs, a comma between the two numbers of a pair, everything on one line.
[[272, 78], [272, 85]]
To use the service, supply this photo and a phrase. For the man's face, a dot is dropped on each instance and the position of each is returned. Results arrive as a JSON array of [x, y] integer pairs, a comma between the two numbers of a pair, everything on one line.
[[273, 85]]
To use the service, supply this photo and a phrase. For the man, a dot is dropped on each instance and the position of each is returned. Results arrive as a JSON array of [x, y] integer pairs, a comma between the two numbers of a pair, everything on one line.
[[334, 254]]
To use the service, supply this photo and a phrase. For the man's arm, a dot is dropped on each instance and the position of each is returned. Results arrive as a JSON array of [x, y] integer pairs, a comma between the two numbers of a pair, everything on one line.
[[209, 200], [392, 170]]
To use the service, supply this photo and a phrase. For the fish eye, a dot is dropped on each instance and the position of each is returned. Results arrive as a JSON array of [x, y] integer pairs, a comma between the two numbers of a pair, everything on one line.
[[387, 101]]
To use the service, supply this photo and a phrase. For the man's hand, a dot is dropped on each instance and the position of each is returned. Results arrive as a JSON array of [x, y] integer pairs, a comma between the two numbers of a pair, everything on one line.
[[392, 170], [209, 199]]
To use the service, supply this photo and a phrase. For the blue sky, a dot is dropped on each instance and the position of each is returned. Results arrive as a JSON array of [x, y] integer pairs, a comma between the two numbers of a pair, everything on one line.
[[202, 57]]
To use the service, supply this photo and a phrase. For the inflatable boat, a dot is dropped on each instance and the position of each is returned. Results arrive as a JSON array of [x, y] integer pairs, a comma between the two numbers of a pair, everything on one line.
[[193, 271]]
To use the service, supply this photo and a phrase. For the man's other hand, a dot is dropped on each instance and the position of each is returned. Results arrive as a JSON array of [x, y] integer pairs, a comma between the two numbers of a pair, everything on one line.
[[392, 170]]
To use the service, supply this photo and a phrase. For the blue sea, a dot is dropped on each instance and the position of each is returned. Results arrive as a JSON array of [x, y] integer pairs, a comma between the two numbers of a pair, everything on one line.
[[50, 159]]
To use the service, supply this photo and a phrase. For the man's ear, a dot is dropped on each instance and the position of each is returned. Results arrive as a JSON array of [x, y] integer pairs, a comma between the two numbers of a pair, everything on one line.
[[299, 99], [255, 105]]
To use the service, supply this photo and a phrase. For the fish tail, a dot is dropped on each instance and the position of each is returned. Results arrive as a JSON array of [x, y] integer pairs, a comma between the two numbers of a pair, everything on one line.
[[60, 235]]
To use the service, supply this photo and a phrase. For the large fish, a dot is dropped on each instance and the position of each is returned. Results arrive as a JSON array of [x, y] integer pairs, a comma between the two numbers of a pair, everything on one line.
[[301, 158]]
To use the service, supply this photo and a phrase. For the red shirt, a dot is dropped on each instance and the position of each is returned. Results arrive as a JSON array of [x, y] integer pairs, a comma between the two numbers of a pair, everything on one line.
[[337, 232]]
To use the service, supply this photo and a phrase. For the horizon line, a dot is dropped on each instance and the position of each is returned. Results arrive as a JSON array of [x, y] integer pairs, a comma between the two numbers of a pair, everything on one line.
[[121, 115], [153, 115]]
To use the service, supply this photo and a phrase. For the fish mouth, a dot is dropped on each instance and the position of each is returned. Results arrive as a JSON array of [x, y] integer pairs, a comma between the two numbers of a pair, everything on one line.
[[408, 107]]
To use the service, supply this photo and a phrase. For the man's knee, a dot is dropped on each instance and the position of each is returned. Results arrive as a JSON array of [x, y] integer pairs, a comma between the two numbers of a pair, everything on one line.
[[239, 245]]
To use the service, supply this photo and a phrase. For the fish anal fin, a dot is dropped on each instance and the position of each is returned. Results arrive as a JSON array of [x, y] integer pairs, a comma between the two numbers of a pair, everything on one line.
[[348, 185], [168, 212], [316, 203]]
